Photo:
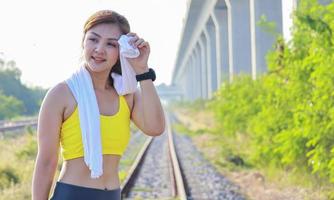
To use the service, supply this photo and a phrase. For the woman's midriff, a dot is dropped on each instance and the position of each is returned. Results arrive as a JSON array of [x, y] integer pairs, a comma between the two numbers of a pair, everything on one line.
[[76, 172]]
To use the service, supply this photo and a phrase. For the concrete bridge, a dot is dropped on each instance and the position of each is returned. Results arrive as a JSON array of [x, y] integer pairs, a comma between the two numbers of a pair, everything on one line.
[[222, 38]]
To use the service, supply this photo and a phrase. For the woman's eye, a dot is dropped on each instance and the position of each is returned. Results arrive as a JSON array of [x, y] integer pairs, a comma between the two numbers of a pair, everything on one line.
[[93, 39], [111, 44]]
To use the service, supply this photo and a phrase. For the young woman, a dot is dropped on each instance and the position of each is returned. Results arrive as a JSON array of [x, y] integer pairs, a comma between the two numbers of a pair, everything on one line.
[[59, 121]]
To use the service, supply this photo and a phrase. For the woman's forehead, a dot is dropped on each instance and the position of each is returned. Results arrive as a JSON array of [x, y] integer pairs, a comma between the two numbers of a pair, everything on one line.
[[109, 31]]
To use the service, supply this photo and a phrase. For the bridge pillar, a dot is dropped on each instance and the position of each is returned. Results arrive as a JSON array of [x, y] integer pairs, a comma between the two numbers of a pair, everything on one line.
[[192, 77], [240, 36], [189, 88], [220, 18], [207, 66], [262, 40], [325, 2], [188, 85], [210, 33], [184, 87], [197, 55], [204, 63], [221, 39]]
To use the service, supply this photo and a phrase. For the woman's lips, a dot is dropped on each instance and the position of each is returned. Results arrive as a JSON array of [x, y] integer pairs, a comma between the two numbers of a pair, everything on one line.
[[98, 60]]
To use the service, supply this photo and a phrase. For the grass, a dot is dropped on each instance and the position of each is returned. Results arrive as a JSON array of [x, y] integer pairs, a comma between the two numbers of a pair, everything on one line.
[[17, 161], [18, 151], [224, 151]]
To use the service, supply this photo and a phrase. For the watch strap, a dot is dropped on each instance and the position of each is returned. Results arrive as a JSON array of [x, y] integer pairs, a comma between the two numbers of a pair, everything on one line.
[[147, 75]]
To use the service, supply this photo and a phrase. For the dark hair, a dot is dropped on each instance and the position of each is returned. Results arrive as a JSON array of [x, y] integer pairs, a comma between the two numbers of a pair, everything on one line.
[[108, 17]]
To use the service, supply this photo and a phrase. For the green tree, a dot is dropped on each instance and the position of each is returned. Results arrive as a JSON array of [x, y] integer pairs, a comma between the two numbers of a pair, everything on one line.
[[10, 84], [10, 107], [289, 111]]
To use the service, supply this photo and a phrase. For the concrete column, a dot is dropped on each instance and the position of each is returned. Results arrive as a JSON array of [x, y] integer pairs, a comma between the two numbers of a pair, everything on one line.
[[220, 18], [188, 85], [203, 67], [183, 87], [189, 88], [289, 6], [182, 84], [186, 81], [208, 78], [210, 31], [325, 2], [192, 77], [230, 39], [197, 54], [240, 36], [262, 40]]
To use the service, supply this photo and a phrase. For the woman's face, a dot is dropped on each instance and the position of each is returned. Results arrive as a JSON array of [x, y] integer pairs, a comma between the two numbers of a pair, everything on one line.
[[101, 47]]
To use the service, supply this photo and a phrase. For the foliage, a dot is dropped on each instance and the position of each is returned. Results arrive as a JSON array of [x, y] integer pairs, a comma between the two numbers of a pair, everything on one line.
[[29, 150], [16, 98], [9, 106], [8, 176], [289, 112], [16, 166]]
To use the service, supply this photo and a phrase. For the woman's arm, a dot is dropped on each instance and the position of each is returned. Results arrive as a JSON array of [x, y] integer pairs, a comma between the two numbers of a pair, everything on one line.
[[49, 122], [147, 112]]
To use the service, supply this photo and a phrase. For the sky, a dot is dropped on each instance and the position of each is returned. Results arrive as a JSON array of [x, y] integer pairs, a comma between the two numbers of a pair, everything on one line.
[[44, 37]]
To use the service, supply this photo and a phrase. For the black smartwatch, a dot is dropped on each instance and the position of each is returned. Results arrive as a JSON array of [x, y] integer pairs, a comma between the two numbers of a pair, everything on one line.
[[147, 75]]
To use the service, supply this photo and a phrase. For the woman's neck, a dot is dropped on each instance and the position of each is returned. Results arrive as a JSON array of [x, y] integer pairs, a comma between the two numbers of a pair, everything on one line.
[[100, 80]]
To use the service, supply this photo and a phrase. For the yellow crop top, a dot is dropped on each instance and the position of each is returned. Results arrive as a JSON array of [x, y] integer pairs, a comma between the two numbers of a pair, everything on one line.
[[115, 133]]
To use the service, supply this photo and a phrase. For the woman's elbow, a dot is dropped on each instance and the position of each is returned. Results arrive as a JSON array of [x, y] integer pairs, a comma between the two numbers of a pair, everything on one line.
[[154, 133], [156, 130]]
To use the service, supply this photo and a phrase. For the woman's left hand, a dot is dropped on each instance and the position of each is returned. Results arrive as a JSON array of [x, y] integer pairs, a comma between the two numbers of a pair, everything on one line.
[[139, 64]]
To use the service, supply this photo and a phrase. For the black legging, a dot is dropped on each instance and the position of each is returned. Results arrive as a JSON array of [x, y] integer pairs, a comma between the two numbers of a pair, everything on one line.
[[65, 191]]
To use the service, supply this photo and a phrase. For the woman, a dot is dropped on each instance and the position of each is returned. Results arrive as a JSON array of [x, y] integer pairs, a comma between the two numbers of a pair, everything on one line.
[[58, 123]]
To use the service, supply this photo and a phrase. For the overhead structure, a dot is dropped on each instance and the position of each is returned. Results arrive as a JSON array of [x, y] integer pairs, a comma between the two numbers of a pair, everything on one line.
[[223, 38]]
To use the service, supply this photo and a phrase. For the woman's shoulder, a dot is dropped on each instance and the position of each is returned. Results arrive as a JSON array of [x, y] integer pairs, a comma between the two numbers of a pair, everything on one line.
[[61, 92], [60, 96]]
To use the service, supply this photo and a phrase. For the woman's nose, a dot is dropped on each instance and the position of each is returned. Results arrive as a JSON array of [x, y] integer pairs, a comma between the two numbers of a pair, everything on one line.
[[99, 48]]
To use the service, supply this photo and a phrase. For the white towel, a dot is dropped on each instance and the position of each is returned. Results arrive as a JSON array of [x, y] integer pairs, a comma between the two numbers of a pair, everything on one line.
[[81, 86], [126, 83]]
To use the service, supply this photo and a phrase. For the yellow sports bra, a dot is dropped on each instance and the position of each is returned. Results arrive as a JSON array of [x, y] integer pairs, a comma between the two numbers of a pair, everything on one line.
[[115, 133]]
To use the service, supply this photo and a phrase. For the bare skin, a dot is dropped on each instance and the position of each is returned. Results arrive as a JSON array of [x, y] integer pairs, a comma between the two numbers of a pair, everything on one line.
[[75, 171], [101, 54]]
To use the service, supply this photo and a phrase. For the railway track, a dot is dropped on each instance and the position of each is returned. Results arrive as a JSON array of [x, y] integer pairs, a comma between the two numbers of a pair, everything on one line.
[[16, 125], [156, 173], [170, 167]]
